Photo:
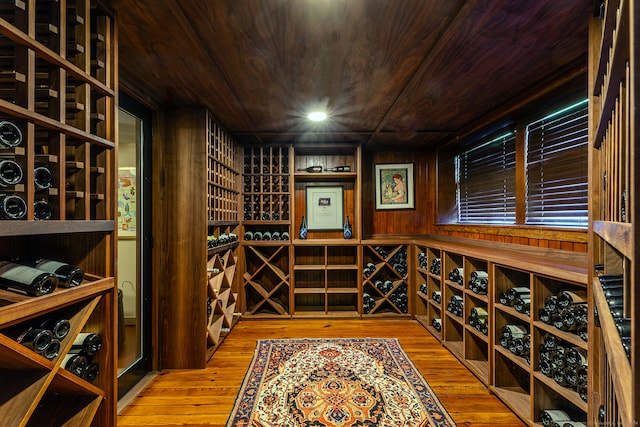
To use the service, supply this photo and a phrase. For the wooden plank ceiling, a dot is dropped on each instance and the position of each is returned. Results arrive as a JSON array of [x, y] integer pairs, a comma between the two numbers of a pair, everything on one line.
[[399, 74]]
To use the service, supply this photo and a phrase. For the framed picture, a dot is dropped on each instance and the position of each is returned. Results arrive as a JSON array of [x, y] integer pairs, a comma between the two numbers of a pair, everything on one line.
[[127, 209], [324, 208], [394, 186]]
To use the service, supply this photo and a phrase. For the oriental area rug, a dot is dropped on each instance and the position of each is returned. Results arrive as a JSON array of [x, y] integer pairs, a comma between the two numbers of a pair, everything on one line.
[[368, 382]]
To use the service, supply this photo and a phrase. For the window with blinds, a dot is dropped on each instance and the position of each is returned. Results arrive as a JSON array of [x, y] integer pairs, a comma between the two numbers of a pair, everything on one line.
[[486, 182], [557, 168]]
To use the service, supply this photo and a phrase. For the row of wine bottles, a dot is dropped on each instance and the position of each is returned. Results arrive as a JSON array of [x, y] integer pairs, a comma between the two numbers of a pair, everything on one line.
[[80, 359], [456, 305], [518, 297], [14, 207], [479, 282], [517, 340], [11, 174], [562, 418], [614, 291], [38, 276], [222, 239], [566, 364], [266, 235], [479, 319], [567, 311]]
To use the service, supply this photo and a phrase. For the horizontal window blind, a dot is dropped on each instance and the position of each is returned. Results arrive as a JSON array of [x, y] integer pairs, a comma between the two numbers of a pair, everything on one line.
[[486, 182], [557, 169]]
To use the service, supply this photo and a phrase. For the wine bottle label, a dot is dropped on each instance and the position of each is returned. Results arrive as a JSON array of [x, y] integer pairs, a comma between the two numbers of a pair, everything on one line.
[[19, 273], [49, 265]]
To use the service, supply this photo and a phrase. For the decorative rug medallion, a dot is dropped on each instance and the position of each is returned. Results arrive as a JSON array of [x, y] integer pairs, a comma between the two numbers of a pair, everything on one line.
[[344, 382]]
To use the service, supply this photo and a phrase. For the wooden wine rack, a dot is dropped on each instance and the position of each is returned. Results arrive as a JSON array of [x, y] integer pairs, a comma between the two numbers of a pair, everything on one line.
[[514, 378], [209, 195], [613, 241], [58, 75]]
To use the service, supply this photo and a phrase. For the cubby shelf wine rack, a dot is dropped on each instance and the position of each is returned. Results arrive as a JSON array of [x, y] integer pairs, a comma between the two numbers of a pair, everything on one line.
[[58, 74]]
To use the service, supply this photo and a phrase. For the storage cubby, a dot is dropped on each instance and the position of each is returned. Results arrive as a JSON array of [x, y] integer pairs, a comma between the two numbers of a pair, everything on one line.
[[452, 265], [453, 333], [330, 271], [267, 282], [512, 383], [551, 398], [546, 301], [476, 354], [505, 281]]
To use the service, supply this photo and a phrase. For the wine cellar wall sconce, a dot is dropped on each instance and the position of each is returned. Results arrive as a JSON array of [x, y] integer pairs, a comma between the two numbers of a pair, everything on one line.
[[325, 208], [394, 186]]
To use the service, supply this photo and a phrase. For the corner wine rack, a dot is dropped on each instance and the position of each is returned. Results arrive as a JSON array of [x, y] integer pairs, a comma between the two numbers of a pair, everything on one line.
[[613, 236], [58, 75]]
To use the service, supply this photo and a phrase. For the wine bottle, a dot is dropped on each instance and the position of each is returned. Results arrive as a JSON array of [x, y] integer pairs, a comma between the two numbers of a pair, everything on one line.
[[285, 235], [248, 235], [303, 229], [41, 210], [91, 371], [568, 298], [514, 331], [10, 134], [521, 305], [338, 169], [42, 177], [68, 275], [266, 235], [257, 235], [75, 363], [518, 292], [437, 324], [12, 206], [311, 169], [436, 296], [550, 416], [10, 173], [52, 349], [87, 343], [457, 275], [346, 231], [59, 327], [37, 339], [26, 279], [275, 235]]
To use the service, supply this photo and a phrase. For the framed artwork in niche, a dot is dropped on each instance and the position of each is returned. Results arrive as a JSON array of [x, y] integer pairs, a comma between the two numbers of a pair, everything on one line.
[[394, 186], [324, 208]]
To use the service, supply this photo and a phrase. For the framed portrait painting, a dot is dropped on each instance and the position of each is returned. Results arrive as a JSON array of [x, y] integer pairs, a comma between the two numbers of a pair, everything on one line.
[[394, 186]]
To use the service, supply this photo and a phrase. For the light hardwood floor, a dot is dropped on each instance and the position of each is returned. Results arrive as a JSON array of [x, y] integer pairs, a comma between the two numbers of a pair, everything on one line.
[[205, 397]]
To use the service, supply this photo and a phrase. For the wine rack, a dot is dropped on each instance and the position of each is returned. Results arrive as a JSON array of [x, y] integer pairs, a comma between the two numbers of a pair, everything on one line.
[[63, 105], [614, 396], [509, 368], [221, 298], [428, 286], [385, 284], [326, 279], [266, 187], [202, 232], [223, 175], [267, 281]]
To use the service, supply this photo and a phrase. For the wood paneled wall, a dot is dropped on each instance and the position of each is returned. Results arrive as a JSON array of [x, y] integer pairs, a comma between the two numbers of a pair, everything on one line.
[[379, 223], [432, 215]]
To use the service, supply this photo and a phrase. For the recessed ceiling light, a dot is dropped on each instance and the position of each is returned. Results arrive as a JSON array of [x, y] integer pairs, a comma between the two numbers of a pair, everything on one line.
[[317, 116]]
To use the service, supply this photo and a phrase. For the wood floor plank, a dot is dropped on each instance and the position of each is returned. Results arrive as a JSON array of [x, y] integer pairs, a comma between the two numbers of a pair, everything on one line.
[[205, 397]]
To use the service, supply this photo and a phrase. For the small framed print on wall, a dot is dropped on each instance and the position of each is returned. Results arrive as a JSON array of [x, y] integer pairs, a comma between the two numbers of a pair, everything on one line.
[[394, 186], [324, 208]]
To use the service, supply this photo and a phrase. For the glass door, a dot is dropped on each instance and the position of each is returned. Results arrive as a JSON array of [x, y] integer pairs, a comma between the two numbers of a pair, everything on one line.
[[134, 243]]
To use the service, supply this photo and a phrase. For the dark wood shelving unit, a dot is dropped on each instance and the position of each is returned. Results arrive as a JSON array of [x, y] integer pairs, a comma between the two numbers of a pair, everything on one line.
[[63, 101]]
